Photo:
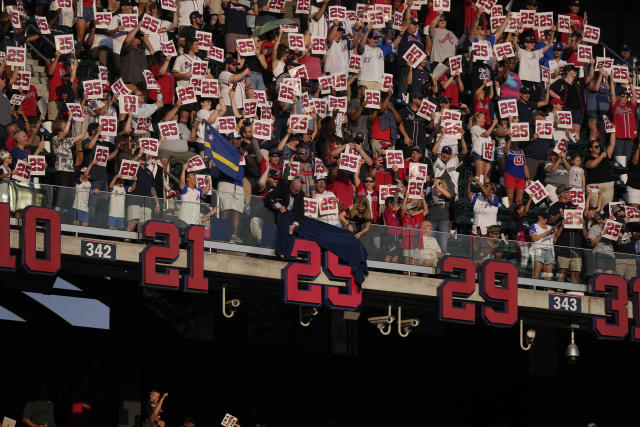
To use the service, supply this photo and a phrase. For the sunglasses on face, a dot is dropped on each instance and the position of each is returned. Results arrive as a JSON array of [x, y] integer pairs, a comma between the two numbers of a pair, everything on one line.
[[368, 180], [303, 152], [595, 146]]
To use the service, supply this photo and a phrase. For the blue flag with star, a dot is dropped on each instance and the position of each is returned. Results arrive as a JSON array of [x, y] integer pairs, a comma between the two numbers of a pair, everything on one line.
[[223, 153]]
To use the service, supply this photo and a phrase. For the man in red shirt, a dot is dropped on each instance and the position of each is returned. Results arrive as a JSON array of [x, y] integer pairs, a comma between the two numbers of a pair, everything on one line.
[[576, 22], [623, 113], [59, 75]]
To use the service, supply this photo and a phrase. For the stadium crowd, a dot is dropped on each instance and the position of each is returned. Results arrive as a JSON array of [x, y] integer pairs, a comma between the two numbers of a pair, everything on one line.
[[358, 115]]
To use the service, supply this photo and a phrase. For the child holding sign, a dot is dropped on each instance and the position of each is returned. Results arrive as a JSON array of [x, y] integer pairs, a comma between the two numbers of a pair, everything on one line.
[[81, 202]]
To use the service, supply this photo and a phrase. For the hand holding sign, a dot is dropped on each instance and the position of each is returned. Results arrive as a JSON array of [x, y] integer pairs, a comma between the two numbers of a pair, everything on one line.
[[537, 192], [129, 169]]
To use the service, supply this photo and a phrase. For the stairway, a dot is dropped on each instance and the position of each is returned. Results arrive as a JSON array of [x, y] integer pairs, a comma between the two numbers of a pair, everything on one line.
[[38, 76]]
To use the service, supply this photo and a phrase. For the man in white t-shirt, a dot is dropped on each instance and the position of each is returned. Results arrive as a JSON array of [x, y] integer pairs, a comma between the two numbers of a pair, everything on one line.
[[230, 77], [372, 66], [337, 57]]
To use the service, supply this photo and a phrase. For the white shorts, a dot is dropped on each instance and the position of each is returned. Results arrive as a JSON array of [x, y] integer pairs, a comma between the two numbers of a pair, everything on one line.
[[633, 195], [231, 196]]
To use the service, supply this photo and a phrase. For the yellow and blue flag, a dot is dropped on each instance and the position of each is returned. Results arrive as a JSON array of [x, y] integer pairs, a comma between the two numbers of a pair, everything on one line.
[[223, 153]]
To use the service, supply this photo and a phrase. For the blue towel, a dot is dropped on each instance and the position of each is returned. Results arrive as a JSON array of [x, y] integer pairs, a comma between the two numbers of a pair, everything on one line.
[[329, 237]]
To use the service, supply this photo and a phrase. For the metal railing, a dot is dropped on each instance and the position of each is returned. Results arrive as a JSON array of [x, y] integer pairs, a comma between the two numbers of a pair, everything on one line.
[[389, 248]]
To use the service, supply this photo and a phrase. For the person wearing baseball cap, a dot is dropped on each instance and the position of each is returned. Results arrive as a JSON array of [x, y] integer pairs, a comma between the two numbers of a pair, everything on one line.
[[625, 52], [576, 21]]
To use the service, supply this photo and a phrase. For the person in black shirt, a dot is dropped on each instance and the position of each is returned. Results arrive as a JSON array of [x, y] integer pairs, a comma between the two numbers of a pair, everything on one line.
[[189, 33], [633, 184], [413, 126], [139, 209], [569, 90], [598, 168], [98, 203], [569, 238]]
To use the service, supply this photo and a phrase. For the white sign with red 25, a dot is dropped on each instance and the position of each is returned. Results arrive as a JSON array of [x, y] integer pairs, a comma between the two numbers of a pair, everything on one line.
[[310, 207], [129, 169], [225, 125], [128, 104], [565, 120], [427, 109], [109, 125], [149, 146], [23, 80], [544, 129], [537, 192], [299, 122], [385, 191], [414, 55], [102, 155], [328, 206], [414, 189], [394, 158], [195, 163], [577, 197], [262, 129], [481, 51], [632, 214], [38, 165], [246, 47], [455, 64], [186, 94], [520, 131], [22, 171], [372, 98], [169, 130], [620, 73], [149, 24], [75, 110], [64, 43], [585, 54], [43, 25], [611, 230], [504, 50], [349, 162], [418, 171], [573, 219], [508, 108]]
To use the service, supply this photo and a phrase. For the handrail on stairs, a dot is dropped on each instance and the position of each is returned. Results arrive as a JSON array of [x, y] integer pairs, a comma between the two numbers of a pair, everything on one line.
[[32, 47]]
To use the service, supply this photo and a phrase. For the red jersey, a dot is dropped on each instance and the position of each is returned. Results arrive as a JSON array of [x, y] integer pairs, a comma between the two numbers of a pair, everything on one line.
[[576, 23], [343, 189], [452, 91], [55, 81], [166, 82], [625, 120], [373, 201], [410, 225], [392, 221], [29, 106], [378, 133]]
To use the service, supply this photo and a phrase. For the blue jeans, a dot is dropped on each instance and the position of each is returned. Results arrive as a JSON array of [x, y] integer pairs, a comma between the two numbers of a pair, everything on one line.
[[257, 82], [443, 233], [99, 204]]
